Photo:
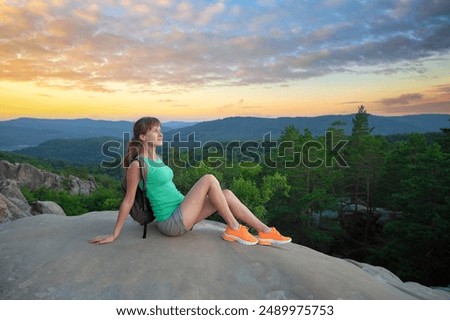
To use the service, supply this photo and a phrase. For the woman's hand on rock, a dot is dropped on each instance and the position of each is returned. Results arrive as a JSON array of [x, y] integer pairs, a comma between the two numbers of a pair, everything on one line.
[[103, 239]]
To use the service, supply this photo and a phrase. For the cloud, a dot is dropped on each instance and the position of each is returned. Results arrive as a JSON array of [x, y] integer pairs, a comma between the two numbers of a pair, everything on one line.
[[429, 107], [184, 11], [354, 102], [207, 14], [442, 89], [401, 100], [89, 14], [179, 106], [435, 99], [157, 44]]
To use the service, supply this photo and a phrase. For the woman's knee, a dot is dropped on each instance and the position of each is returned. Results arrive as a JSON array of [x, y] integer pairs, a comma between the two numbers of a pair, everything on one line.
[[210, 179], [229, 196]]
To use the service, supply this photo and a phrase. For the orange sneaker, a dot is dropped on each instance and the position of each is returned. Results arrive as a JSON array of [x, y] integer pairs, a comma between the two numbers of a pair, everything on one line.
[[272, 237], [240, 235]]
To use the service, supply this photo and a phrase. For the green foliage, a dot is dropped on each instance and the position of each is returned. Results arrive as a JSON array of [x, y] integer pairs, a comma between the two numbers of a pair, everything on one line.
[[100, 200], [418, 176], [256, 198], [250, 195], [184, 178]]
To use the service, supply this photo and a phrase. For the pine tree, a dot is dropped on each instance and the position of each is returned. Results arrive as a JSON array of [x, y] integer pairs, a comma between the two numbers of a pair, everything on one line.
[[365, 157], [361, 123]]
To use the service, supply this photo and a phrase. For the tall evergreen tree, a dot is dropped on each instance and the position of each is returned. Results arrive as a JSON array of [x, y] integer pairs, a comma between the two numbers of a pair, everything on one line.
[[445, 141], [366, 160], [361, 123]]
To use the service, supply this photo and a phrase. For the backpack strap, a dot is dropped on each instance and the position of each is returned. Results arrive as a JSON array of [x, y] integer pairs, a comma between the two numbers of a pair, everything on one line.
[[144, 170]]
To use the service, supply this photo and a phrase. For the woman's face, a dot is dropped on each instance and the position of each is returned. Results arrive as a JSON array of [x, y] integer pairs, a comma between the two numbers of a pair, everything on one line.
[[153, 136]]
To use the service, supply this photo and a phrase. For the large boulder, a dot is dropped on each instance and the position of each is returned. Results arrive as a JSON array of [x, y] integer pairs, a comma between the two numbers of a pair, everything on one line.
[[13, 204], [49, 257], [10, 189], [46, 207], [9, 210]]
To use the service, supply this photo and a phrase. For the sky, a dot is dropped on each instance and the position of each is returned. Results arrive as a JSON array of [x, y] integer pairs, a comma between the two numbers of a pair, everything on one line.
[[201, 60]]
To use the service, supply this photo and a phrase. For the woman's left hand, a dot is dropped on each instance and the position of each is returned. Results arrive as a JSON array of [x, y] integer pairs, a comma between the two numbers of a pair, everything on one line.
[[102, 239]]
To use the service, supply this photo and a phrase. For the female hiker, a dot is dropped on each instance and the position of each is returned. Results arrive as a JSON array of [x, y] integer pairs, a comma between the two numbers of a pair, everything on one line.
[[176, 214]]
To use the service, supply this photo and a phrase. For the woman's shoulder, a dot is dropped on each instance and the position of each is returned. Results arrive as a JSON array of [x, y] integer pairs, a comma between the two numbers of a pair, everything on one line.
[[133, 168]]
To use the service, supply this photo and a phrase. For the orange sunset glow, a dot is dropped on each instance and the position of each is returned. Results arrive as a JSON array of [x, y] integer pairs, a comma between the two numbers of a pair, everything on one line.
[[200, 60]]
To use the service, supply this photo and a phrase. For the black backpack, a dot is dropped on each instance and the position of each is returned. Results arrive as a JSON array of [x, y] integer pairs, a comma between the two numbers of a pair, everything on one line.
[[141, 211]]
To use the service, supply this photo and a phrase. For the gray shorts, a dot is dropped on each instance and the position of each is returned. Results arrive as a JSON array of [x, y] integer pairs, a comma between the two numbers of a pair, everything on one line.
[[172, 226]]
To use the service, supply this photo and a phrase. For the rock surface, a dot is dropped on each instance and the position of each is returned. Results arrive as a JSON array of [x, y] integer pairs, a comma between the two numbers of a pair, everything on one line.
[[49, 257]]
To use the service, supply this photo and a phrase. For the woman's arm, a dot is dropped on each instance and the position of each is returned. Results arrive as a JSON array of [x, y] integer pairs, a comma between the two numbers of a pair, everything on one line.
[[133, 178]]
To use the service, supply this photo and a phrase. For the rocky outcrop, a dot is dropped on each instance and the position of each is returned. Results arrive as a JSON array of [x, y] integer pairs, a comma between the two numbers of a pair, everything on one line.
[[28, 176], [13, 177], [33, 178], [49, 257], [13, 204]]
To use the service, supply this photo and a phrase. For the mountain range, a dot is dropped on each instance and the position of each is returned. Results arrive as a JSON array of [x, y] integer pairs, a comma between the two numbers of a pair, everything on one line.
[[23, 133], [28, 132], [252, 128]]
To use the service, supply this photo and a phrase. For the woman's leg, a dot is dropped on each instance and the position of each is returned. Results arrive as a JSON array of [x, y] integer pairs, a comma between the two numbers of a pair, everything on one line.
[[205, 198], [199, 204]]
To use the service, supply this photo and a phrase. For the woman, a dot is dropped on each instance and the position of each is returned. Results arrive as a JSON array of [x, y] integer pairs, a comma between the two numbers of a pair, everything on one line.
[[176, 214]]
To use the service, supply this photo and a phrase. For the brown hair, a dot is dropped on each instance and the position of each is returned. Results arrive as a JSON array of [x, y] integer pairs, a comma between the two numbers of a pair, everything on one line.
[[135, 145]]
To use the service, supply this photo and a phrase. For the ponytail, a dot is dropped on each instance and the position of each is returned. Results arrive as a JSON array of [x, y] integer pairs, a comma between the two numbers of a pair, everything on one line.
[[133, 149]]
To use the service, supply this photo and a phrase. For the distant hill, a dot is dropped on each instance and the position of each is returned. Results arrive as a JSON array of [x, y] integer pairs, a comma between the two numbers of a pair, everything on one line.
[[79, 151], [167, 126], [252, 128], [27, 132]]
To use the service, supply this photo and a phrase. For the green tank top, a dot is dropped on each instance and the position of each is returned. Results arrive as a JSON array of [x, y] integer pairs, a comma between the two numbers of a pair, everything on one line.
[[161, 191]]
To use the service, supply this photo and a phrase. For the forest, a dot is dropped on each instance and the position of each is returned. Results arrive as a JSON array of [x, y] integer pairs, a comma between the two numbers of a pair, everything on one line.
[[383, 200]]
